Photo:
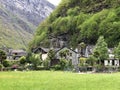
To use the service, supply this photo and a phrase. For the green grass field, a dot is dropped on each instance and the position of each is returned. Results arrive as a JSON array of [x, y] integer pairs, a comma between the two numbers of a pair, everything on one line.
[[49, 80]]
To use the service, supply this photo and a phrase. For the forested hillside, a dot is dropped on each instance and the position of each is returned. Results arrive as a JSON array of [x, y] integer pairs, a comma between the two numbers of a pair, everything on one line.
[[81, 21]]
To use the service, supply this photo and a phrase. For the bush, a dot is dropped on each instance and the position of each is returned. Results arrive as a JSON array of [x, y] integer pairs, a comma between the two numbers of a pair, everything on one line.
[[46, 64], [6, 63], [40, 68], [22, 60], [64, 63], [35, 61], [21, 68], [7, 69], [91, 60], [57, 67], [2, 56], [82, 61], [1, 67], [13, 62]]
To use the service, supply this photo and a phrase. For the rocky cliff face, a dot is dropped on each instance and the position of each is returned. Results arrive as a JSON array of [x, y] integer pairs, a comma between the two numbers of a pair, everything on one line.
[[20, 18]]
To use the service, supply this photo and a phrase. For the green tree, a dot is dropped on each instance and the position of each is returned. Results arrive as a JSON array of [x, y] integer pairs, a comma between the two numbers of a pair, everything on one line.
[[2, 56], [117, 51], [91, 60], [101, 50], [22, 60], [73, 11], [35, 61]]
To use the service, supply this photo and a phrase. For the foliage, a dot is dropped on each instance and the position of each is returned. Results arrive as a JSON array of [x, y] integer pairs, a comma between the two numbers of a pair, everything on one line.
[[64, 63], [46, 64], [82, 47], [6, 63], [22, 60], [101, 50], [57, 67], [51, 54], [1, 67], [91, 60], [64, 53], [73, 11], [82, 21], [117, 51], [82, 61], [35, 61], [2, 56]]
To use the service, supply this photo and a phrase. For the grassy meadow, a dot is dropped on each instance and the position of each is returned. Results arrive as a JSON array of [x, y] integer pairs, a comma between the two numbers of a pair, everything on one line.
[[50, 80]]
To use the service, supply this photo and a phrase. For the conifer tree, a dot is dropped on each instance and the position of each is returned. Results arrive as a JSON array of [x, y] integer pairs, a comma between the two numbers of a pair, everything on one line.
[[101, 50]]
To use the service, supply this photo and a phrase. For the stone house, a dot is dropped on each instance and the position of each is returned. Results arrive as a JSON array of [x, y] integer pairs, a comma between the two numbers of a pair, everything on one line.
[[15, 54], [72, 55], [112, 61], [41, 50]]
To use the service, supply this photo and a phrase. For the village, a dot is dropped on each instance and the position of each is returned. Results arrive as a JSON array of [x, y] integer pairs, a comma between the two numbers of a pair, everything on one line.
[[59, 44], [79, 59]]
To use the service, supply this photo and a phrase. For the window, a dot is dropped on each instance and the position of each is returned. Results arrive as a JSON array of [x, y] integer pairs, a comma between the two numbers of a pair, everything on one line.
[[113, 62], [70, 54]]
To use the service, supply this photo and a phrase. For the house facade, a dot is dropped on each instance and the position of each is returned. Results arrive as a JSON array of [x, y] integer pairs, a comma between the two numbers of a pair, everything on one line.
[[72, 55], [15, 54], [112, 61]]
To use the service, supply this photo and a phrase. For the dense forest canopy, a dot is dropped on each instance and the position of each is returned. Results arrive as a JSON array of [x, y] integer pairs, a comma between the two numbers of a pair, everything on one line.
[[81, 21]]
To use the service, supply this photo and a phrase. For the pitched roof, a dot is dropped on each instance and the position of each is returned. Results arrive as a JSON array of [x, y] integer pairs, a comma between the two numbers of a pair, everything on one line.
[[65, 48], [45, 50]]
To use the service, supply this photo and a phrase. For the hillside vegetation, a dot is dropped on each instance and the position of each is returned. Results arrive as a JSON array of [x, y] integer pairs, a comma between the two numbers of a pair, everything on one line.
[[14, 31], [19, 19], [81, 21]]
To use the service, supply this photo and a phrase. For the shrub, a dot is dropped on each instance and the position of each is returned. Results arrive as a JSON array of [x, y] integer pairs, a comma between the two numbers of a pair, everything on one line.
[[22, 60], [91, 60], [40, 68], [13, 62], [1, 67], [57, 67], [82, 61], [64, 63], [46, 64], [6, 63], [35, 61], [2, 56]]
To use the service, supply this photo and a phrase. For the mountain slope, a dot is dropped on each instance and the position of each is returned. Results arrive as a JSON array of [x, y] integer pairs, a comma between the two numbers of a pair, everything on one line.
[[19, 19], [76, 21]]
